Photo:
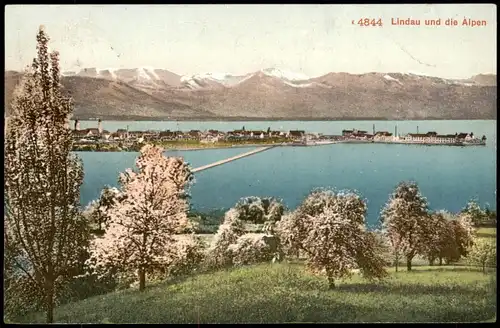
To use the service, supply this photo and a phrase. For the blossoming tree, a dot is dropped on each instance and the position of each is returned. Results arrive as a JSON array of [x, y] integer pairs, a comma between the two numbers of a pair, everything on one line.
[[43, 224], [231, 229], [405, 221], [139, 237], [483, 253], [330, 228]]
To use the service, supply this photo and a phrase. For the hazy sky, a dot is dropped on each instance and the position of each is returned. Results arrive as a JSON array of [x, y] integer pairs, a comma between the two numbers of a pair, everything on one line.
[[238, 39]]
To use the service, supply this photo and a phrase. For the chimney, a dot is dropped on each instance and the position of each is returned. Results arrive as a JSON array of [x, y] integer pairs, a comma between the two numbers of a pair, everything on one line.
[[396, 131], [373, 129], [77, 125], [99, 126]]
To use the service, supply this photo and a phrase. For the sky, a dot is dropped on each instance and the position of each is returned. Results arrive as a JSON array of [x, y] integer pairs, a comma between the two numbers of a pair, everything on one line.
[[239, 39]]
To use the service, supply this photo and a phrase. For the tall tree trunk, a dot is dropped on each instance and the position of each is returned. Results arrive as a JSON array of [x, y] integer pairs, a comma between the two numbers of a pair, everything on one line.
[[440, 261], [142, 279], [397, 260], [331, 282], [49, 301], [408, 263], [431, 261], [484, 268]]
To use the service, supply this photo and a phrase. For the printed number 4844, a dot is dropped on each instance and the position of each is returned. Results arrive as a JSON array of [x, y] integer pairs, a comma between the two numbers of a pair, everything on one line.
[[370, 22]]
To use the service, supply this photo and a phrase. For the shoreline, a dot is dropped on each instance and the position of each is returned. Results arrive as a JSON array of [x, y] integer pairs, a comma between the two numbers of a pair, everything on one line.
[[223, 147], [198, 148], [271, 119]]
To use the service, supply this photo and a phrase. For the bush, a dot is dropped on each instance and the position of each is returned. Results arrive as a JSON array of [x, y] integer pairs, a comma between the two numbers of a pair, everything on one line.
[[20, 298], [187, 258], [260, 210], [251, 249], [86, 286]]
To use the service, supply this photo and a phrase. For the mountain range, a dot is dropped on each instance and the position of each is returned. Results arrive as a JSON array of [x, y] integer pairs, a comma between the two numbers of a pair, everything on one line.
[[147, 93]]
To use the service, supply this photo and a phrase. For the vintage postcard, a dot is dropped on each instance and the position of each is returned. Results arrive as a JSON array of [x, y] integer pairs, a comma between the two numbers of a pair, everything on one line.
[[250, 163]]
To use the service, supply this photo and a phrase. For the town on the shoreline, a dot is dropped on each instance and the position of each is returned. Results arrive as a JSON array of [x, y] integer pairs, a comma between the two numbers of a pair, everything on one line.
[[98, 139]]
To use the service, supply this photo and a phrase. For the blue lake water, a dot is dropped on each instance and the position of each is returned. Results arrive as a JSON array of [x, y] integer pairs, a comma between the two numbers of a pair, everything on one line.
[[447, 176]]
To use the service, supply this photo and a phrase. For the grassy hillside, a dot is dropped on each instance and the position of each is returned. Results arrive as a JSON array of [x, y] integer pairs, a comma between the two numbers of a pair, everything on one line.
[[287, 293]]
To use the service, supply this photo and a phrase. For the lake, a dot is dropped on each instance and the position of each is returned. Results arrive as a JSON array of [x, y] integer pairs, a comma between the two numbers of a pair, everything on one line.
[[447, 176]]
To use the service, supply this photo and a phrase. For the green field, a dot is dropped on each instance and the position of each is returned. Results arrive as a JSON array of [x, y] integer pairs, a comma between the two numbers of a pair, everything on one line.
[[287, 293], [486, 232]]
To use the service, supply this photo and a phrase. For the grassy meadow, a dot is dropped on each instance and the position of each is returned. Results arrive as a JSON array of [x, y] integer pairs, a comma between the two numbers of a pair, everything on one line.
[[285, 292]]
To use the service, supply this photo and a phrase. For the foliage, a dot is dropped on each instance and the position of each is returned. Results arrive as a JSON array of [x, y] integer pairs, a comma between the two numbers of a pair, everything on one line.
[[330, 228], [43, 223], [206, 222], [464, 233], [483, 253], [141, 228], [260, 210], [441, 240], [218, 254], [188, 256], [405, 221], [450, 237], [476, 213], [97, 212]]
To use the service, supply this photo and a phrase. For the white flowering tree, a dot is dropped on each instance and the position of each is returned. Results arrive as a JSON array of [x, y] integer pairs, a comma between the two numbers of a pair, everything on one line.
[[483, 253], [43, 224], [464, 233], [139, 237], [330, 228], [231, 229], [406, 223], [291, 229], [186, 256]]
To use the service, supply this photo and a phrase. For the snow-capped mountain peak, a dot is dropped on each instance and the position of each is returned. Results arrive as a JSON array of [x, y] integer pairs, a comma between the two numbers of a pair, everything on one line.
[[201, 80], [284, 74], [147, 73], [216, 76], [390, 78]]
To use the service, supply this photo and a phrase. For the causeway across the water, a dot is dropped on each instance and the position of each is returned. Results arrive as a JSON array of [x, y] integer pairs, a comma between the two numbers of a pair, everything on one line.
[[227, 160]]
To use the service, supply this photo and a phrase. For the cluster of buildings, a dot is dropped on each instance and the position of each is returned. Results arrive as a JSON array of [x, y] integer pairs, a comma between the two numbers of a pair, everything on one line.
[[100, 135], [294, 136], [429, 137]]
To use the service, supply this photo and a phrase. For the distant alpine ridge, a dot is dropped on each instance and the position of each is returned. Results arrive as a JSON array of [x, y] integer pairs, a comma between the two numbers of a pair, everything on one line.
[[147, 93]]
